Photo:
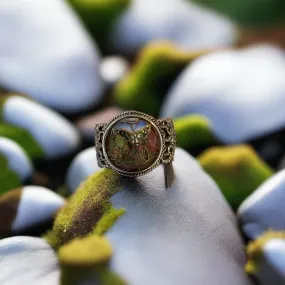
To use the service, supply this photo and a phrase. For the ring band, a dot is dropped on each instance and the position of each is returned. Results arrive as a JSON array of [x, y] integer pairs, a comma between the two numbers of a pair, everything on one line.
[[134, 143]]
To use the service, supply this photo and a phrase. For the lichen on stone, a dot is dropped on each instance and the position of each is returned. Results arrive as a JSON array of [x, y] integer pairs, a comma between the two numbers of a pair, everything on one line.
[[8, 178], [255, 249], [238, 170], [193, 131], [87, 258], [158, 64], [99, 16], [249, 13], [88, 209], [23, 138]]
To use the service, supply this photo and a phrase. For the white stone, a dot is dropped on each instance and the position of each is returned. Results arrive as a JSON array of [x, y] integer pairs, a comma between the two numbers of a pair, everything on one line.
[[37, 205], [83, 165], [264, 208], [274, 253], [46, 53], [27, 260], [241, 91], [179, 21], [190, 234], [56, 136], [18, 160], [113, 68]]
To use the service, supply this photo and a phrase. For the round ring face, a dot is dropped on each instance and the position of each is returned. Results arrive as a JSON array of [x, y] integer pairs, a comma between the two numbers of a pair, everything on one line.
[[132, 144]]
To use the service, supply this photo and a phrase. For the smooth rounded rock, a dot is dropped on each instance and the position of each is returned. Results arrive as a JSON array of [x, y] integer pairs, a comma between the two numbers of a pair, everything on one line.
[[274, 252], [27, 260], [83, 165], [27, 207], [54, 134], [240, 91], [266, 258], [113, 69], [48, 55], [173, 236], [178, 21], [264, 208], [18, 161]]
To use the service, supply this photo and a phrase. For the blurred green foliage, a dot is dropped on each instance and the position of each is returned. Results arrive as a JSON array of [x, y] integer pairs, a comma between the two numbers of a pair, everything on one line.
[[87, 206], [237, 170], [249, 13], [193, 131], [144, 88], [99, 16], [8, 178]]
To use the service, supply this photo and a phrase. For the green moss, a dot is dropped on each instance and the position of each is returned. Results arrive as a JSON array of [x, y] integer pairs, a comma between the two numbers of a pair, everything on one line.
[[91, 251], [144, 88], [193, 131], [87, 258], [99, 16], [249, 13], [238, 171], [255, 249], [8, 178], [3, 99], [85, 209], [23, 138], [110, 216]]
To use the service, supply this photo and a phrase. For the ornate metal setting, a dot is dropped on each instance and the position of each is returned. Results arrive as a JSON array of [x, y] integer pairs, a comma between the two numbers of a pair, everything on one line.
[[134, 143]]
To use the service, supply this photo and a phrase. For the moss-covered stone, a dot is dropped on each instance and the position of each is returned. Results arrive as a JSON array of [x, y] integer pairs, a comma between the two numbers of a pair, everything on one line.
[[255, 249], [8, 178], [9, 204], [248, 12], [99, 16], [87, 258], [144, 88], [90, 251], [88, 209], [23, 138], [193, 131], [238, 170]]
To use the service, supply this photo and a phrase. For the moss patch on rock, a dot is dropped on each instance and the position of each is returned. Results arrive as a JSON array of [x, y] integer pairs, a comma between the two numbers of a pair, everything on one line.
[[23, 138], [3, 99], [9, 203], [8, 178], [255, 249], [249, 13], [90, 251], [193, 131], [144, 88], [238, 171], [99, 16], [87, 258], [88, 209]]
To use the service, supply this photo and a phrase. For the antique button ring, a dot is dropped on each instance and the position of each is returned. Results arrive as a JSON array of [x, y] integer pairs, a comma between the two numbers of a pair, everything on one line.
[[134, 143]]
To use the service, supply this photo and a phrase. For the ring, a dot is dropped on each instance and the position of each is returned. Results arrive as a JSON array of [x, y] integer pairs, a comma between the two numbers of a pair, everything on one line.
[[134, 143]]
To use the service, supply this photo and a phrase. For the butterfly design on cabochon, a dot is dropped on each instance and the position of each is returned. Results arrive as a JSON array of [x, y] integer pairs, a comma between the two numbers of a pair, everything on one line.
[[130, 147]]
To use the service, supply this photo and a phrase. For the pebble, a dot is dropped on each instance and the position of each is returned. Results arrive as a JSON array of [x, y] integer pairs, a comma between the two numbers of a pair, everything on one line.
[[240, 91], [47, 54], [26, 207]]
